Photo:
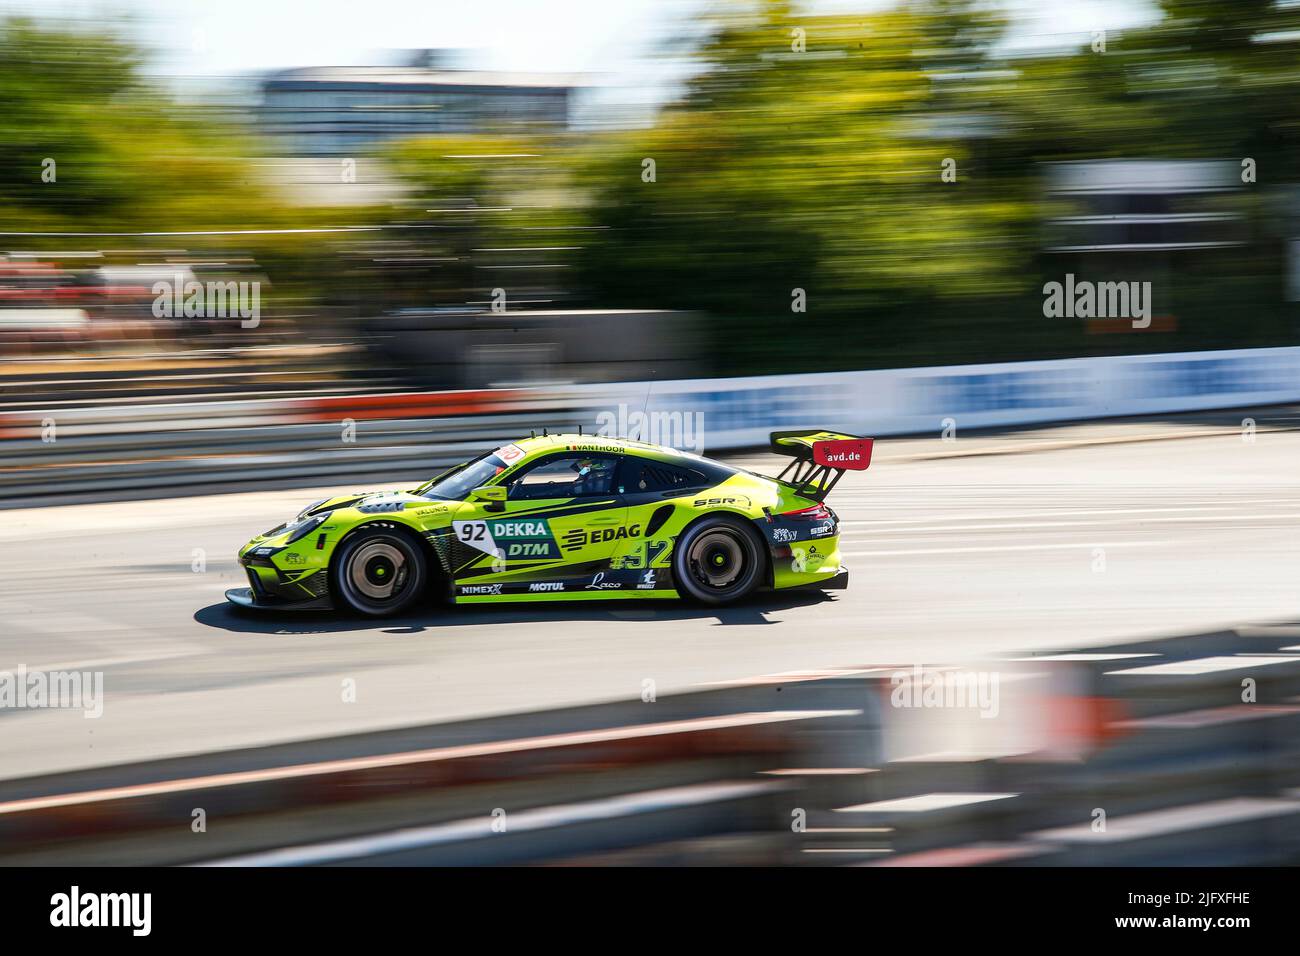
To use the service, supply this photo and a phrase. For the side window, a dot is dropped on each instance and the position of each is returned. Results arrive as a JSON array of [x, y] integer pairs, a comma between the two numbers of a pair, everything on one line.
[[656, 476], [569, 476]]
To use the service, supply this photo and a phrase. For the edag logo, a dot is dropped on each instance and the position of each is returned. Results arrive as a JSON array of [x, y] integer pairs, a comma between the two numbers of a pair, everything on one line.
[[577, 537]]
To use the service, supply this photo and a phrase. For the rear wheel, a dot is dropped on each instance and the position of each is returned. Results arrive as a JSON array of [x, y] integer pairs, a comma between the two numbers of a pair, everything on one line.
[[718, 560], [379, 571]]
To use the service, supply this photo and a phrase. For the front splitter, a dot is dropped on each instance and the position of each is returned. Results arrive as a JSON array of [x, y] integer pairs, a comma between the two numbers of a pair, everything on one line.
[[244, 597]]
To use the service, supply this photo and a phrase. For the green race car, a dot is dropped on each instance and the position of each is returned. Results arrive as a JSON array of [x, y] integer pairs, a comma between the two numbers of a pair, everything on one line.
[[566, 518]]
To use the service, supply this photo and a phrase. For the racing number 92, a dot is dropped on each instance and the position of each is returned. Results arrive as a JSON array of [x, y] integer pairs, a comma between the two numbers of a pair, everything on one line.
[[473, 531], [649, 554]]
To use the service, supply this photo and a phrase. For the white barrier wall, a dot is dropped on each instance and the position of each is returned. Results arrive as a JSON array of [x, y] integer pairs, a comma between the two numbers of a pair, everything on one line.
[[105, 450], [740, 412]]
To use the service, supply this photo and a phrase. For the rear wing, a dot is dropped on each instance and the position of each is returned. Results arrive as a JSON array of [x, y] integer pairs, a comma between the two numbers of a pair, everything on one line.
[[820, 459]]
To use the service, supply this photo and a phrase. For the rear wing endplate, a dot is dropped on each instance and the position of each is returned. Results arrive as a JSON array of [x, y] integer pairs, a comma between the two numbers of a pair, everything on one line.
[[820, 459]]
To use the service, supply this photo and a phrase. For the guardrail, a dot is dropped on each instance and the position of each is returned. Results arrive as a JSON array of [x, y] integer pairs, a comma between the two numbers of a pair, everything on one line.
[[1179, 751], [107, 450], [522, 788]]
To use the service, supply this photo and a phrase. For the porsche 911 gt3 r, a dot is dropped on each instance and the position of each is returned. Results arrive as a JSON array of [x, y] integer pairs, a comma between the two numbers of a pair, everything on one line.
[[566, 517]]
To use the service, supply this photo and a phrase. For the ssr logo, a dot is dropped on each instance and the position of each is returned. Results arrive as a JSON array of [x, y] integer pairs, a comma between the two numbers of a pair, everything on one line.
[[713, 502], [577, 537], [547, 586]]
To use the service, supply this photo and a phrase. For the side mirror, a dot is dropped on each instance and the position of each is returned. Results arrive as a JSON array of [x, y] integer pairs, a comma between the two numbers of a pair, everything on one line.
[[494, 495]]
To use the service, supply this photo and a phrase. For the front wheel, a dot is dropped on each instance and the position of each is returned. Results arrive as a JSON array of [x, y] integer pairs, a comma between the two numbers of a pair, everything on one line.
[[379, 571], [718, 560]]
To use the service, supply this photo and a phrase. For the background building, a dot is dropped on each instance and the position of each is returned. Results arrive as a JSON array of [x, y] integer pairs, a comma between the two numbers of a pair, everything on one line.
[[332, 111]]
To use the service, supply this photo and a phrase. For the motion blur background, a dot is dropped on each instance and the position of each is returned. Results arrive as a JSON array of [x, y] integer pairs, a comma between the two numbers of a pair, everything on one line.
[[380, 196], [458, 222]]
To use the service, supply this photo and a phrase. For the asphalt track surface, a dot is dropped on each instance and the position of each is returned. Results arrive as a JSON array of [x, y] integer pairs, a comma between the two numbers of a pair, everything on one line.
[[952, 556]]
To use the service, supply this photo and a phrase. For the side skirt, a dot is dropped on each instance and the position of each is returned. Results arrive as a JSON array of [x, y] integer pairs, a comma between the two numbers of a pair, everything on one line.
[[547, 596]]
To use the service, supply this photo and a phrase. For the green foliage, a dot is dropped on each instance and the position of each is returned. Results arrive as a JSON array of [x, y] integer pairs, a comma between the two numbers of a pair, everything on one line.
[[820, 169], [816, 169], [128, 160]]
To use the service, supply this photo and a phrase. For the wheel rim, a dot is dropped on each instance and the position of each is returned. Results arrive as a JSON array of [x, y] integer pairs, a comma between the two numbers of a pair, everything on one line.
[[717, 559], [377, 571]]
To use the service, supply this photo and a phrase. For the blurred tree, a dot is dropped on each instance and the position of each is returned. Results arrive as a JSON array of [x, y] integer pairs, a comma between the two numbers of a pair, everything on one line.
[[88, 145], [503, 209], [830, 154], [892, 167], [808, 152]]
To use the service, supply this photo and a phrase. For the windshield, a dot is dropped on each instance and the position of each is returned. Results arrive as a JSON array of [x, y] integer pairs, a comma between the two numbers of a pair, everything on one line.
[[455, 485]]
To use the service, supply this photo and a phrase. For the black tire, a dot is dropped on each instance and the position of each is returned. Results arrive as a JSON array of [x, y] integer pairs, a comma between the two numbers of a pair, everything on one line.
[[379, 571], [718, 560]]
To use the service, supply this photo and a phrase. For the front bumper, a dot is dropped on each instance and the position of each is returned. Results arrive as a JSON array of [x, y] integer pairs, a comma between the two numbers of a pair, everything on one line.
[[299, 585], [244, 597]]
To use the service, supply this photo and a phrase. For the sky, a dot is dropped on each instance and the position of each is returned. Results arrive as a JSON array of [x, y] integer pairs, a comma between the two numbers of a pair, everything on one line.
[[222, 37], [612, 42]]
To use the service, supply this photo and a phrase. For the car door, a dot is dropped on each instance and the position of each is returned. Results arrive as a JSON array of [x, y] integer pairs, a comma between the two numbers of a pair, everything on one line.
[[561, 523], [649, 486]]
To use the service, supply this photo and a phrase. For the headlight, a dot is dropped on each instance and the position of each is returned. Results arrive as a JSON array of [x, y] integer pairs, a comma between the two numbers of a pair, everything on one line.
[[299, 527]]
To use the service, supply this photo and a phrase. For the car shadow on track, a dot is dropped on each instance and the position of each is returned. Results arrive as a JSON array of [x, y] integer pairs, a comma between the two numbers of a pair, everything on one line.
[[752, 610]]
